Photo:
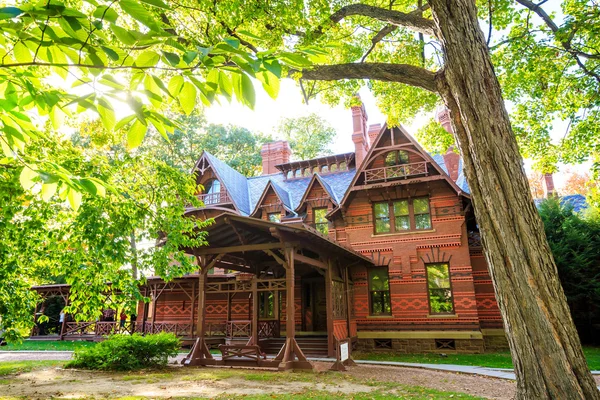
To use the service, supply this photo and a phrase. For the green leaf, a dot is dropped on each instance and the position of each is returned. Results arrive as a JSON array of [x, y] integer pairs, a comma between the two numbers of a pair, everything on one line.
[[27, 177], [156, 3], [48, 190], [270, 83], [244, 89], [74, 198], [105, 13], [113, 55], [88, 186], [123, 35], [136, 134], [295, 60], [147, 59], [9, 12], [172, 58], [273, 66], [22, 53], [187, 97], [124, 122], [139, 13], [175, 85], [190, 56], [107, 115]]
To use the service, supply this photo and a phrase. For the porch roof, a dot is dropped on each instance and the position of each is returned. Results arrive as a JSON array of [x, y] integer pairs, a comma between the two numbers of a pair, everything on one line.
[[235, 234]]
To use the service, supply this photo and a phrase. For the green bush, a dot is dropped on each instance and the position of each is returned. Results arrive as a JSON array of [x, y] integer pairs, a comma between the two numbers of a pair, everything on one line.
[[127, 352]]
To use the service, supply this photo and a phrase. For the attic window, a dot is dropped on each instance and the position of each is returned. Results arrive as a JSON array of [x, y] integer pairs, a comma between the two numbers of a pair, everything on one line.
[[397, 157], [343, 166], [290, 174], [307, 172], [334, 167], [298, 173], [325, 169]]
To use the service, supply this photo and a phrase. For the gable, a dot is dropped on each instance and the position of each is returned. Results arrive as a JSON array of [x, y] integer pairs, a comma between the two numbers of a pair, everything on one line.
[[273, 196], [416, 164]]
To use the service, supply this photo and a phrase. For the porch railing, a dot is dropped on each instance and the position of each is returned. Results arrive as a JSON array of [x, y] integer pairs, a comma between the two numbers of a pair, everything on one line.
[[102, 328], [384, 174], [243, 329], [214, 198]]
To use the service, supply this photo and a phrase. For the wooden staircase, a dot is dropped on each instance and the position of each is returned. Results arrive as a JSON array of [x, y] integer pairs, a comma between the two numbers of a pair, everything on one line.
[[312, 346]]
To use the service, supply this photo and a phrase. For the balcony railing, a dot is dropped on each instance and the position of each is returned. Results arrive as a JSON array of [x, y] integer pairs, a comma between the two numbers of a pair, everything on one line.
[[403, 171], [243, 328], [211, 199]]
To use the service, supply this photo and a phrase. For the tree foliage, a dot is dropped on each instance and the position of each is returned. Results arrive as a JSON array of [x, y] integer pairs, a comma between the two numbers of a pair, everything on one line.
[[309, 136], [575, 241]]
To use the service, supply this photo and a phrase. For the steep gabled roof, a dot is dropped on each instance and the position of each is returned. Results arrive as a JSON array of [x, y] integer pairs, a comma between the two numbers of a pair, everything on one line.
[[316, 179], [235, 183], [281, 194], [412, 141]]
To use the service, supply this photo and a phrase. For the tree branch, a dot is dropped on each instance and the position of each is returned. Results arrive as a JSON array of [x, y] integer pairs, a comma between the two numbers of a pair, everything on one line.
[[566, 44], [401, 73], [408, 20], [386, 30]]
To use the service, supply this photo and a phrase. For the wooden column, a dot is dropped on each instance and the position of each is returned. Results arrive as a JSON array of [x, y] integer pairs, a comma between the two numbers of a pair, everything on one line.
[[348, 298], [64, 323], [276, 310], [199, 354], [254, 338], [290, 350], [192, 308], [329, 306], [145, 311]]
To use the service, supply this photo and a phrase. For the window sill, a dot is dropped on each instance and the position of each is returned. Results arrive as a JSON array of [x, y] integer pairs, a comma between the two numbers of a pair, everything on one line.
[[379, 316], [442, 316], [376, 235]]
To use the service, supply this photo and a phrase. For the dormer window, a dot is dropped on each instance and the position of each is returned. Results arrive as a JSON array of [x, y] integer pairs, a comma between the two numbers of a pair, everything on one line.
[[315, 170], [343, 166], [325, 169], [307, 172], [213, 191], [397, 157], [290, 174], [298, 173], [334, 167]]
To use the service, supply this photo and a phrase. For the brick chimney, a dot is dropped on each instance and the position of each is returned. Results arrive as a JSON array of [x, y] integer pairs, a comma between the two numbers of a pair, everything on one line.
[[274, 153], [548, 185], [451, 158], [359, 134], [374, 130]]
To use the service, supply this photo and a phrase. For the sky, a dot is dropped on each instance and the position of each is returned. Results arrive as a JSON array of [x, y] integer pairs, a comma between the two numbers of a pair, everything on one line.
[[289, 104]]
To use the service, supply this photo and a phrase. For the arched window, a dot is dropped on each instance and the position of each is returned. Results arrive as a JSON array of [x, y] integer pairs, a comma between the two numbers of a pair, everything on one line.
[[307, 172], [343, 166], [325, 169], [333, 168], [212, 191], [290, 174], [315, 170], [396, 157], [298, 173]]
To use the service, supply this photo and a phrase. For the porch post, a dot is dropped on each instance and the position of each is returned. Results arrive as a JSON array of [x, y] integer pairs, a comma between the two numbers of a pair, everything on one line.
[[192, 309], [254, 339], [63, 326], [276, 311], [348, 299], [199, 354], [290, 350], [329, 306]]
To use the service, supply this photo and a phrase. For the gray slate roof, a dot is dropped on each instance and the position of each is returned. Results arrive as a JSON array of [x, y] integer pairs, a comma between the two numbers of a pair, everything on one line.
[[461, 181], [246, 192], [577, 201]]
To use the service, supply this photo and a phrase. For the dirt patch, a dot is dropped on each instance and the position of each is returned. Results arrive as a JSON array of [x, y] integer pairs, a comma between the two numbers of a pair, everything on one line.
[[174, 382], [490, 388]]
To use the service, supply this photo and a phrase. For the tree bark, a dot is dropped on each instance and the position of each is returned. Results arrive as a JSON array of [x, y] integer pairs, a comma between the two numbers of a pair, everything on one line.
[[545, 347]]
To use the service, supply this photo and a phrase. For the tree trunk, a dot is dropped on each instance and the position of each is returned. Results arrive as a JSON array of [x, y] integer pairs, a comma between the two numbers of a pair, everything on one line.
[[544, 344]]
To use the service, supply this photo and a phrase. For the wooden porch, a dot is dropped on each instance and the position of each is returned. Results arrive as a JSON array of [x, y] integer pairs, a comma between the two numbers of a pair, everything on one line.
[[272, 257]]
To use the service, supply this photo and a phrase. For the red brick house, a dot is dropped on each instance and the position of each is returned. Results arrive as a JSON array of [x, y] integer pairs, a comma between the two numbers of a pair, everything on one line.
[[382, 244]]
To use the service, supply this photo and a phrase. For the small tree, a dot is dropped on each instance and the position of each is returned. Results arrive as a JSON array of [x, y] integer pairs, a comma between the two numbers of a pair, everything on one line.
[[309, 136]]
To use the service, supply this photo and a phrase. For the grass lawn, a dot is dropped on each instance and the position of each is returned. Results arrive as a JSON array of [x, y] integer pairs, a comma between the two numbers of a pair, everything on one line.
[[18, 367], [492, 360], [47, 345]]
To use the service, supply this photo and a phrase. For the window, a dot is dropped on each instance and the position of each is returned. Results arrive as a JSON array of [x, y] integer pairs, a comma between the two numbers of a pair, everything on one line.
[[274, 217], [382, 217], [402, 215], [290, 174], [321, 223], [379, 291], [298, 173], [213, 192], [343, 166], [440, 289], [307, 172], [422, 216], [397, 157], [266, 305], [324, 169], [334, 167], [315, 170]]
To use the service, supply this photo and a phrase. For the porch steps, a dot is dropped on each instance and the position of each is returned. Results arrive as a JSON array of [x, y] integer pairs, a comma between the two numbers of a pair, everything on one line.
[[311, 346]]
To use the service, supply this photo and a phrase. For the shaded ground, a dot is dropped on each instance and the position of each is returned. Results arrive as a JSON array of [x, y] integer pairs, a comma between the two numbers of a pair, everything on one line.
[[362, 382]]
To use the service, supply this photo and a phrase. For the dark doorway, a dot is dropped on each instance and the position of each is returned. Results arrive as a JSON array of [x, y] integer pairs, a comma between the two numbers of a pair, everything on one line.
[[314, 305]]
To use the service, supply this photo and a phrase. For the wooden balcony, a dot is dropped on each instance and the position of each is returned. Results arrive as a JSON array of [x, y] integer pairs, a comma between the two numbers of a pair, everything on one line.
[[403, 171], [212, 199]]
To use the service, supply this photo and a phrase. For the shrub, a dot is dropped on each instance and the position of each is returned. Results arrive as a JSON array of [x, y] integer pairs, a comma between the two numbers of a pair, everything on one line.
[[127, 352]]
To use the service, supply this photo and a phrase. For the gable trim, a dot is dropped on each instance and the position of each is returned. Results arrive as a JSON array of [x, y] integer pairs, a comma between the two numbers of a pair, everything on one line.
[[314, 179], [216, 172], [264, 194]]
